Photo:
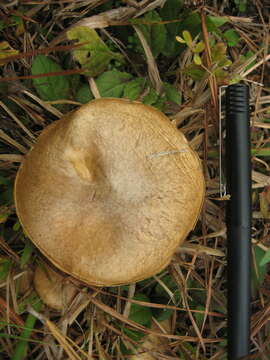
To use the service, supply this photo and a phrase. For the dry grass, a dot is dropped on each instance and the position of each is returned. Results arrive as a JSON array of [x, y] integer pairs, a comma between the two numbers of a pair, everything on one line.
[[96, 324]]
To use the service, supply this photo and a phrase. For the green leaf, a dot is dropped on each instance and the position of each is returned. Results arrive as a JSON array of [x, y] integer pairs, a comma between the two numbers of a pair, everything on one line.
[[141, 314], [187, 20], [2, 25], [112, 83], [49, 88], [74, 81], [21, 348], [84, 94], [6, 188], [179, 39], [247, 56], [6, 50], [146, 282], [212, 28], [225, 62], [231, 37], [134, 334], [134, 88], [221, 75], [242, 7], [199, 316], [151, 97], [16, 226], [192, 22], [7, 196], [31, 300], [241, 4], [27, 253], [199, 47], [16, 20], [188, 349], [5, 265], [160, 103], [187, 37], [155, 34], [169, 282], [161, 314], [257, 276], [194, 71], [217, 20], [266, 258], [172, 94], [3, 217], [94, 55], [219, 51], [4, 181], [197, 59], [172, 11]]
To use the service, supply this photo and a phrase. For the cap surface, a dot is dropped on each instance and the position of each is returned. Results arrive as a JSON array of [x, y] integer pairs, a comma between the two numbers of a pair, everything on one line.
[[109, 192]]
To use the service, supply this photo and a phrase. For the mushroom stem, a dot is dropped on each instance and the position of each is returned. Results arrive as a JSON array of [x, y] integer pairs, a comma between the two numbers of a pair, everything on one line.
[[53, 288]]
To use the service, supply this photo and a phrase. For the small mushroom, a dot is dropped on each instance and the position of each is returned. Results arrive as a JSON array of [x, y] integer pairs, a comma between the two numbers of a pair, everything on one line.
[[53, 288], [110, 191]]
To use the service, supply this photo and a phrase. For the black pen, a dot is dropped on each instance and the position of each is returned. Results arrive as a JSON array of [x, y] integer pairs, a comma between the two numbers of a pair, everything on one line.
[[238, 219]]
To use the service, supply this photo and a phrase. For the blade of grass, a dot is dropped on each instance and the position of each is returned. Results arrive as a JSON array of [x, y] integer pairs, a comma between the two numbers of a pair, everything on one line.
[[22, 345], [44, 104], [12, 142], [152, 66], [13, 316], [264, 152], [11, 157], [133, 324], [17, 120], [63, 341], [27, 253], [8, 336], [158, 306]]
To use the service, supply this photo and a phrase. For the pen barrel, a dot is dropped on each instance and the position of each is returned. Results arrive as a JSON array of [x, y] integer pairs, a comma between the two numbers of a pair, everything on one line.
[[238, 218]]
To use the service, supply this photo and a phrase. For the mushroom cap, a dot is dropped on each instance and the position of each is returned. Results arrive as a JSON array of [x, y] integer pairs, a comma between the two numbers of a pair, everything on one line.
[[109, 191], [52, 288]]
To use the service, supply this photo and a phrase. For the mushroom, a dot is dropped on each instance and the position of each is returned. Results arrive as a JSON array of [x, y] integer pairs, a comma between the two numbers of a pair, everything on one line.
[[109, 192], [52, 287]]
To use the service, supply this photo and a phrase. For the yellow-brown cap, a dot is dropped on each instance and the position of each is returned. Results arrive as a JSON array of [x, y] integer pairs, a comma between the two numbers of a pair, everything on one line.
[[110, 191]]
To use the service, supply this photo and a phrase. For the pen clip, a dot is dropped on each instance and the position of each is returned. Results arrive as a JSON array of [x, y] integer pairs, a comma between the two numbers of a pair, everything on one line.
[[221, 139]]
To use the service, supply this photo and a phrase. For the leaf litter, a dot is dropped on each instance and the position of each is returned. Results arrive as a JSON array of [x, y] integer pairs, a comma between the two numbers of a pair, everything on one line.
[[43, 76]]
